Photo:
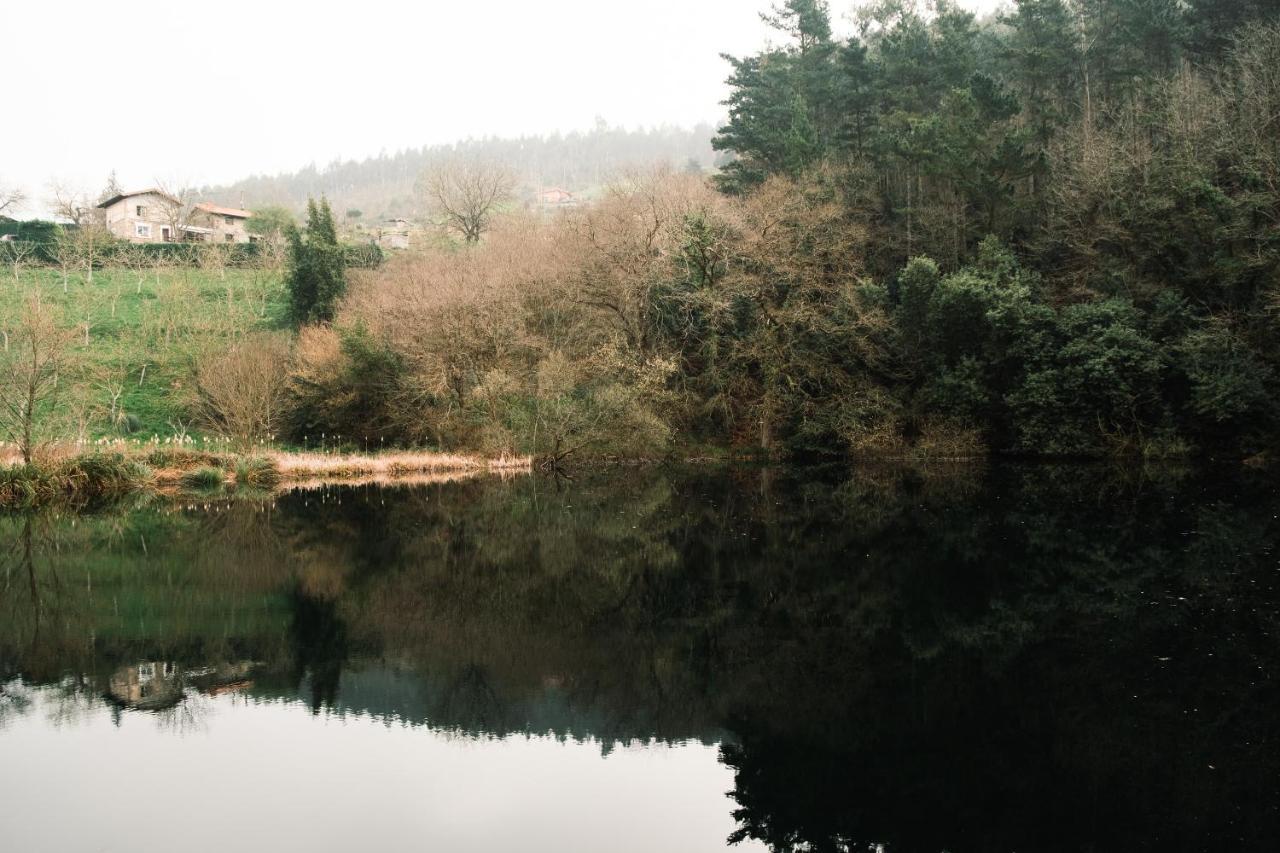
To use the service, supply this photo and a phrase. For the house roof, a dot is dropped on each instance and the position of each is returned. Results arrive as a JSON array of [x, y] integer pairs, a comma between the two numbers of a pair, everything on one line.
[[148, 191], [217, 210]]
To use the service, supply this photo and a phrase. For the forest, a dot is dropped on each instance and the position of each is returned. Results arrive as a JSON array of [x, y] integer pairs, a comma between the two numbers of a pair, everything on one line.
[[1052, 232]]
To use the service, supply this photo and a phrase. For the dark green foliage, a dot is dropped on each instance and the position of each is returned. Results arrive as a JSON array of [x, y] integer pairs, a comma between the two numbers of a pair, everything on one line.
[[363, 256], [1228, 384], [1127, 305], [784, 112], [317, 267], [32, 230], [352, 397]]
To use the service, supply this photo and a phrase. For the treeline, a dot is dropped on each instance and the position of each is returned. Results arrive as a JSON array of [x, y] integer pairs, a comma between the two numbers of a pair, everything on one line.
[[385, 185], [1123, 153], [1051, 233]]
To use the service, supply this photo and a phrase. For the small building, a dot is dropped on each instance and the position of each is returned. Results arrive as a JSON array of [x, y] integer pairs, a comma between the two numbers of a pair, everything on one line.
[[394, 234], [224, 224], [555, 197]]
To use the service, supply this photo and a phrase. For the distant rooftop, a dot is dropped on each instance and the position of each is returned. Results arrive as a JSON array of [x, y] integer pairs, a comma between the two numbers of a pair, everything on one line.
[[148, 191], [217, 210]]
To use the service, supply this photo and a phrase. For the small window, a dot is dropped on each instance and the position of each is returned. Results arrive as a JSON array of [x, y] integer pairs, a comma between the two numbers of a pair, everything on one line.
[[228, 220], [142, 210], [142, 229], [231, 238]]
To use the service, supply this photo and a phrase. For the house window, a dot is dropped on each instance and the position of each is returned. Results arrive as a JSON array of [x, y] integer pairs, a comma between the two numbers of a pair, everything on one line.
[[165, 233], [228, 220], [142, 229], [142, 210], [231, 238]]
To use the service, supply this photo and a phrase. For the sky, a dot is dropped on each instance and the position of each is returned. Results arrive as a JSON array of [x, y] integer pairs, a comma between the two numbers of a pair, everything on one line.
[[189, 93]]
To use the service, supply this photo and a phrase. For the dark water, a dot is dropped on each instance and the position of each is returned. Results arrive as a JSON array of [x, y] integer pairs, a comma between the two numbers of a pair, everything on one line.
[[1020, 658]]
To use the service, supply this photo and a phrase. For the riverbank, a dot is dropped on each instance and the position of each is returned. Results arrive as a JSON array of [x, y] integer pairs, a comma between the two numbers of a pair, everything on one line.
[[119, 471]]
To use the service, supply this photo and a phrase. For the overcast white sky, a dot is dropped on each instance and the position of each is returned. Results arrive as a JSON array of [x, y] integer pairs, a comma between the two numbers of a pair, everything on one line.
[[201, 93]]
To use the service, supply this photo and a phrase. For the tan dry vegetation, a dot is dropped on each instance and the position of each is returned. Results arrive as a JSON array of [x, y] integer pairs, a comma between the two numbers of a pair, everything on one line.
[[241, 392], [407, 464], [536, 340]]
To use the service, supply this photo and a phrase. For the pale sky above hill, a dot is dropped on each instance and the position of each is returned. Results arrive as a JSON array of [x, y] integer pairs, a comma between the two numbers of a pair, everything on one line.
[[199, 93]]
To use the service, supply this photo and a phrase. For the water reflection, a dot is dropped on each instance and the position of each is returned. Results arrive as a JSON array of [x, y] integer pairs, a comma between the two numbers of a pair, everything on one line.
[[1031, 658]]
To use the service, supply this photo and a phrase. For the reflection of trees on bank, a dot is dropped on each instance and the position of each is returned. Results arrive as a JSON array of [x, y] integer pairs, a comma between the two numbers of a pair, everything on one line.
[[1031, 657], [1088, 671]]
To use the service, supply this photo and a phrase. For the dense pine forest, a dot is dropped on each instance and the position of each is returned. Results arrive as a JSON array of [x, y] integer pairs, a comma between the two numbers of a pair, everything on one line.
[[1071, 212]]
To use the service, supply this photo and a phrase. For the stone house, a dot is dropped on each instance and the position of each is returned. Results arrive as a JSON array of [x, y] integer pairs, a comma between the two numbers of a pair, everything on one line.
[[154, 216], [223, 224], [140, 217]]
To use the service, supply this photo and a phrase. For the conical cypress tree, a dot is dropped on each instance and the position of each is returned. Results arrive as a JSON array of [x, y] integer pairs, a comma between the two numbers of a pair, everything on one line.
[[317, 275]]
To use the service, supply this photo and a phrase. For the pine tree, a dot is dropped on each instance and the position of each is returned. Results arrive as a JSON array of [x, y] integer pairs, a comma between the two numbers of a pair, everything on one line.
[[1042, 56], [783, 104], [317, 268]]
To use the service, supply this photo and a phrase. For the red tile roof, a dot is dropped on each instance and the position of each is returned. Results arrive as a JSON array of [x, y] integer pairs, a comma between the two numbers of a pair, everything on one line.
[[223, 211]]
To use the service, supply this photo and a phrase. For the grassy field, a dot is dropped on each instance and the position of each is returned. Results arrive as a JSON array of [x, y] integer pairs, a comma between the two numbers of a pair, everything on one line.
[[137, 334]]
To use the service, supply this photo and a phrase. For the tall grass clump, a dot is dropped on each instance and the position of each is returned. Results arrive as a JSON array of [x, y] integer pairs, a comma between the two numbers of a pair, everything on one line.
[[203, 478], [81, 478], [256, 472], [181, 457]]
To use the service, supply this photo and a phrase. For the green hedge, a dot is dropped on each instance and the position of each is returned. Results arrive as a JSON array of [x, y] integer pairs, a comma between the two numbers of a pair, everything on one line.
[[43, 234], [34, 230]]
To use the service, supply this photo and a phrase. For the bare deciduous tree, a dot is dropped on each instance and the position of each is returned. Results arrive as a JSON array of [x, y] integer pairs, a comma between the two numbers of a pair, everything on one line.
[[10, 198], [65, 254], [72, 204], [176, 202], [242, 390], [91, 242], [466, 193], [16, 252], [139, 262], [29, 371]]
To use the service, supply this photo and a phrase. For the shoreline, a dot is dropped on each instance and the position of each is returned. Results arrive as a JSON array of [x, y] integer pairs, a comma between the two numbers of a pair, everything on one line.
[[116, 470], [174, 470]]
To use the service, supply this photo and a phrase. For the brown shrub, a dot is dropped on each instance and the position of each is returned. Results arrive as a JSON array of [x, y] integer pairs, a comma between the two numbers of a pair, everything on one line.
[[241, 392]]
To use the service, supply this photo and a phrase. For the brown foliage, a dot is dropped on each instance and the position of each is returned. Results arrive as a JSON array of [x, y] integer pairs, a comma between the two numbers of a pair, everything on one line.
[[242, 391]]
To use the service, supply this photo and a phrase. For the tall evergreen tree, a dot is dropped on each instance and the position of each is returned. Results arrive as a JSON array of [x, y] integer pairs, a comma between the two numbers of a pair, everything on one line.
[[1041, 54], [317, 268], [783, 110]]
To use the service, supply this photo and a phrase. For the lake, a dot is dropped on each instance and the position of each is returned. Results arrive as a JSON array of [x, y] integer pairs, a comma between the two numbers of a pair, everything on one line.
[[959, 658]]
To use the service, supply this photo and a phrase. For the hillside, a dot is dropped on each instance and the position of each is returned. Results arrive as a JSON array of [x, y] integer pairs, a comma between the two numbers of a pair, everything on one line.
[[383, 186]]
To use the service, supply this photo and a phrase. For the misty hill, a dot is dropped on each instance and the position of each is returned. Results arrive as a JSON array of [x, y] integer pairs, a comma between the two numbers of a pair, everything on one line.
[[383, 186]]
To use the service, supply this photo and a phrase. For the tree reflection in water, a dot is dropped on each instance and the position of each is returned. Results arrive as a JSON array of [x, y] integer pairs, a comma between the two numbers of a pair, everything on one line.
[[1051, 658]]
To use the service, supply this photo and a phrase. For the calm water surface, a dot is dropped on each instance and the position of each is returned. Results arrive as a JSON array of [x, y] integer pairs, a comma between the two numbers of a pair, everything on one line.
[[1010, 658]]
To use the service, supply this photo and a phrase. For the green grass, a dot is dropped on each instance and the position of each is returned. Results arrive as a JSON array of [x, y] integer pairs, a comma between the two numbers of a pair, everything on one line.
[[145, 334], [203, 478]]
